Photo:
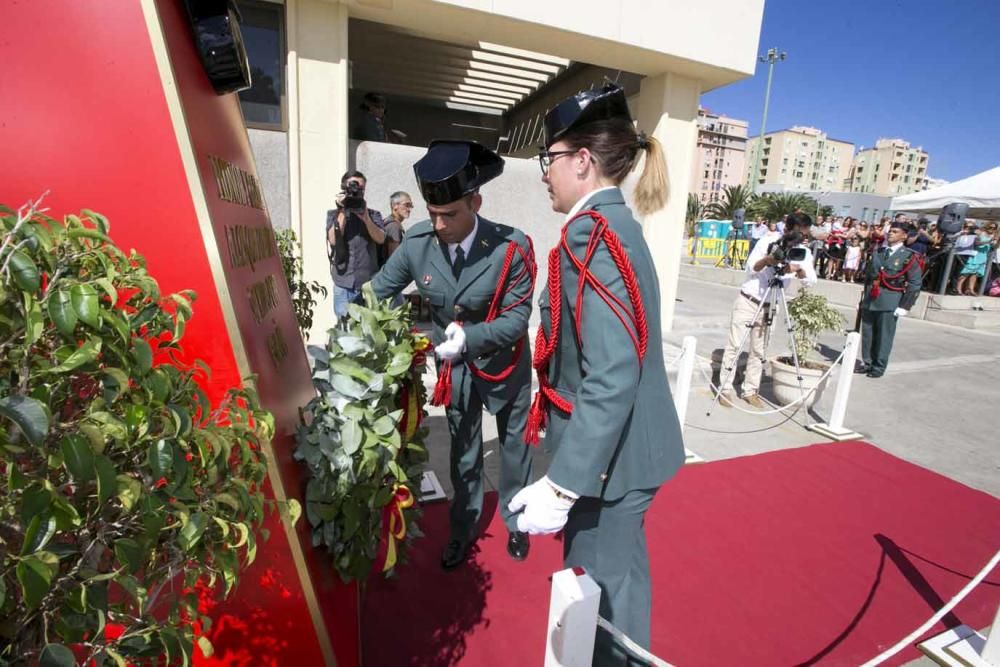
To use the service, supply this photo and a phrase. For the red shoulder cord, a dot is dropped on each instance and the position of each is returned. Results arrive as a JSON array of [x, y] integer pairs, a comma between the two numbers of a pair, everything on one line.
[[633, 320], [442, 390], [882, 280]]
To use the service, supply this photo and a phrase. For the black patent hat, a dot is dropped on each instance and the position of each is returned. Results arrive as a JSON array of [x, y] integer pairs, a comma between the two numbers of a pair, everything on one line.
[[585, 107], [452, 169]]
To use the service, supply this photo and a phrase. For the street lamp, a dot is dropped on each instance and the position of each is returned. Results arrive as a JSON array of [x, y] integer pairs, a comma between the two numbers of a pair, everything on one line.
[[773, 56]]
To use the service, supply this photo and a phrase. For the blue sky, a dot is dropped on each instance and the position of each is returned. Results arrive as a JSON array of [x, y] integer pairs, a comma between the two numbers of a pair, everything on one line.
[[923, 70]]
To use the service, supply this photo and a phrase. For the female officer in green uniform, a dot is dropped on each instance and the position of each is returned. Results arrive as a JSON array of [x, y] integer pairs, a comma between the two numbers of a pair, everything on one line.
[[611, 423]]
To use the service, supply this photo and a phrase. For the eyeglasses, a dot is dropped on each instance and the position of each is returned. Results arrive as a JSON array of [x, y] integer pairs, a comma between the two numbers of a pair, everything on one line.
[[545, 158]]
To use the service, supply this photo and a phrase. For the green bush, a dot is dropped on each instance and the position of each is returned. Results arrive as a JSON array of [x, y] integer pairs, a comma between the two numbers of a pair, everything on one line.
[[303, 293], [813, 315], [123, 489], [361, 439]]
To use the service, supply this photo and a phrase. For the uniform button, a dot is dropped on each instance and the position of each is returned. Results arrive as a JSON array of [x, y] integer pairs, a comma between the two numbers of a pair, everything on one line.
[[604, 477], [458, 309]]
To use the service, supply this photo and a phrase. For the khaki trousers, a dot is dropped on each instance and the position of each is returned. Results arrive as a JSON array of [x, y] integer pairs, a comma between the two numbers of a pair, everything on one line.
[[741, 318]]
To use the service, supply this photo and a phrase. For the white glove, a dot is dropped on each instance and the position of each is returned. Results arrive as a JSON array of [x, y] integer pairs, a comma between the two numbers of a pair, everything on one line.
[[900, 312], [544, 511], [454, 343]]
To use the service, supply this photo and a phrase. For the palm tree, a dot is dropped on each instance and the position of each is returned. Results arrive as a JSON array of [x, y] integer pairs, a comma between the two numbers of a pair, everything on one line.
[[692, 215], [733, 197], [774, 206]]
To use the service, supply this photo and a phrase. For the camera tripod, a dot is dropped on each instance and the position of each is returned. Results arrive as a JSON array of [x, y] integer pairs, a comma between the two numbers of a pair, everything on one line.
[[733, 257], [773, 297]]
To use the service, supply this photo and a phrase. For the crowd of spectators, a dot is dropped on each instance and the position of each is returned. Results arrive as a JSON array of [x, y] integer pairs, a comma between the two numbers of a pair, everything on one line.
[[843, 246]]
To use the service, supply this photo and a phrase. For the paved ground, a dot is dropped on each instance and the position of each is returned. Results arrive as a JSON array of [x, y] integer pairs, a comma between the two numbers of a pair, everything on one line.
[[936, 406]]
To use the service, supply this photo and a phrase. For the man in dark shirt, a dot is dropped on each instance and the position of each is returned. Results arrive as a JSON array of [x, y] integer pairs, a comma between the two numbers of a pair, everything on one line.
[[371, 121], [354, 232], [919, 240]]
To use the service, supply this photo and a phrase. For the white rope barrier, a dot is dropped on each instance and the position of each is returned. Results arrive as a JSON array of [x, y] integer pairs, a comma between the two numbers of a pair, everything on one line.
[[627, 642], [805, 395], [685, 373], [933, 620]]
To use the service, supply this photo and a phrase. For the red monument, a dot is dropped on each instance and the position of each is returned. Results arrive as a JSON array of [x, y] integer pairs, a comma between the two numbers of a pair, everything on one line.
[[110, 106]]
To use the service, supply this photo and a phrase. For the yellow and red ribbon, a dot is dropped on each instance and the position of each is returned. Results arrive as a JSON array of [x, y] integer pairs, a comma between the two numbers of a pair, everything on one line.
[[393, 527]]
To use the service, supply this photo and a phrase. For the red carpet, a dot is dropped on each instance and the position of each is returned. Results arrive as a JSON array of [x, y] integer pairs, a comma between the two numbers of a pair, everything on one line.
[[823, 555]]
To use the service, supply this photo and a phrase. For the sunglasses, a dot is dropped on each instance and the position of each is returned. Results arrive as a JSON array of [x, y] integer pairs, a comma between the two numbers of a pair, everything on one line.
[[546, 158]]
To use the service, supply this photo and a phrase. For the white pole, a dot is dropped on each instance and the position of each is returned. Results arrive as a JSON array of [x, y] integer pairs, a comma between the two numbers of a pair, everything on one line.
[[685, 371], [835, 428], [572, 627], [844, 383]]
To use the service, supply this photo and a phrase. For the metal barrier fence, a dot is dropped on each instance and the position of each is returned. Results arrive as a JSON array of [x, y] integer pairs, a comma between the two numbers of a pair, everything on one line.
[[702, 248]]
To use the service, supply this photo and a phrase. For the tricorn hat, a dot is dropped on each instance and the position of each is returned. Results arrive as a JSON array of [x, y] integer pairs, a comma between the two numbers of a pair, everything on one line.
[[585, 107], [452, 169]]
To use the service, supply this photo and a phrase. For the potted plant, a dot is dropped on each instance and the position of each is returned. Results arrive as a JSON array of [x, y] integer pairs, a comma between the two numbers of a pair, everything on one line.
[[812, 315]]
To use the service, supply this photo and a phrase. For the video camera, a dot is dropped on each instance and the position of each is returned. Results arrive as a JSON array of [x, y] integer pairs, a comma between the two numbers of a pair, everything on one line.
[[354, 196], [787, 249]]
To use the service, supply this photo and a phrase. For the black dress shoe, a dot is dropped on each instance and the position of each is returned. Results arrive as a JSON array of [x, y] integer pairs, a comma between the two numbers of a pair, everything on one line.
[[862, 369], [518, 545], [875, 374], [454, 554]]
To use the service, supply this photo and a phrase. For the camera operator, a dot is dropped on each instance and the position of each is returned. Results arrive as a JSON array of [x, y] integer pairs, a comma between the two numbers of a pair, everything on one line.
[[786, 255], [354, 231]]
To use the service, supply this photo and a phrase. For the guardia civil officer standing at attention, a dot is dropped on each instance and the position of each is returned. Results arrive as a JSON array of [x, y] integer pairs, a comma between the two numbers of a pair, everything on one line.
[[893, 279], [478, 277], [611, 424]]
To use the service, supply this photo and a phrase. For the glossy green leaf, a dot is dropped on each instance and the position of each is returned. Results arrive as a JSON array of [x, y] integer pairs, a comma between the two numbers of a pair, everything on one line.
[[350, 436], [108, 288], [61, 313], [84, 354], [29, 415], [56, 655], [35, 574], [39, 532], [34, 321], [129, 554], [191, 533], [86, 304], [3, 592], [115, 383], [129, 491], [24, 271], [78, 457], [107, 481], [161, 458], [142, 353], [36, 500]]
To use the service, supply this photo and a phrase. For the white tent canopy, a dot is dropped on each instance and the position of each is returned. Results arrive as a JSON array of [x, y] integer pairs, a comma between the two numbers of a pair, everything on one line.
[[981, 192]]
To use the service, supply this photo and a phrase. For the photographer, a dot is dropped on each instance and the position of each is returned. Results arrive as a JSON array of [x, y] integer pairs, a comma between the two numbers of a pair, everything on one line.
[[786, 255], [354, 231]]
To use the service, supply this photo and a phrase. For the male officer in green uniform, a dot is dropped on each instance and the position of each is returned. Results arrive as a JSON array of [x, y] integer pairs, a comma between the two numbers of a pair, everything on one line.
[[457, 260], [892, 285]]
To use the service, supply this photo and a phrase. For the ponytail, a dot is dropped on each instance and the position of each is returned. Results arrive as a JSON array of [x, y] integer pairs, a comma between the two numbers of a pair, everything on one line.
[[653, 188], [618, 150]]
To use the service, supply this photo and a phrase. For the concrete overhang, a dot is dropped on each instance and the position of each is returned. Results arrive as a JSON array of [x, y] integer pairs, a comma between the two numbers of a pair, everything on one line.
[[715, 45]]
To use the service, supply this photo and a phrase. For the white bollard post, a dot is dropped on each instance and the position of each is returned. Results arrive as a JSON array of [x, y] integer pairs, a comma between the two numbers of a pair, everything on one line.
[[572, 628], [685, 370], [835, 428]]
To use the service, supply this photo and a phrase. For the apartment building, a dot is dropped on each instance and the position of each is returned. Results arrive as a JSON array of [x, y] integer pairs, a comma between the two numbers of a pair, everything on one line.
[[720, 155], [890, 168], [799, 158]]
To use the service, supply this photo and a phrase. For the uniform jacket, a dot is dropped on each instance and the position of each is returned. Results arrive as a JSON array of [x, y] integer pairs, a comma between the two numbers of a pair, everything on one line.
[[623, 433], [894, 263], [423, 259]]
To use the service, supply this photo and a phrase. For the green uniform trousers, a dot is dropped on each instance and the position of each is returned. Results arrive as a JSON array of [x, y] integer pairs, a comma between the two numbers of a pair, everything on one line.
[[465, 423], [878, 328], [608, 540]]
